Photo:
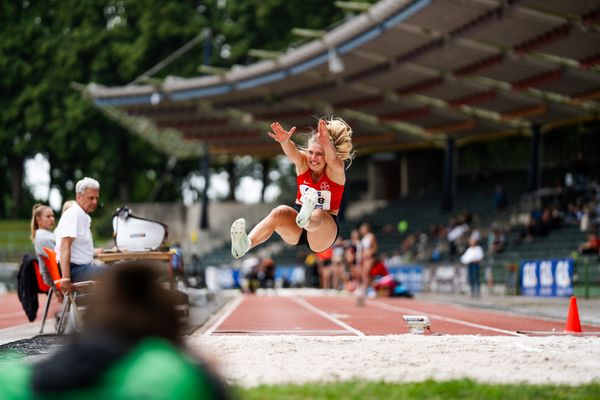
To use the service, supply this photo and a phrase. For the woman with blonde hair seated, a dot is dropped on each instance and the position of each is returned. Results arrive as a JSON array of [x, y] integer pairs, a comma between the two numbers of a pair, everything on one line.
[[42, 223]]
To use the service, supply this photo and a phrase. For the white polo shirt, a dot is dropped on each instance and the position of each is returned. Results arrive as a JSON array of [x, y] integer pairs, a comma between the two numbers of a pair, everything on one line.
[[75, 223], [474, 254]]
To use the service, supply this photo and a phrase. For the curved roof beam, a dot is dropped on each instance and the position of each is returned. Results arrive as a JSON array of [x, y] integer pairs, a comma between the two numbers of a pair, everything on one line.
[[512, 53], [578, 21], [473, 112], [380, 17], [351, 38], [535, 57]]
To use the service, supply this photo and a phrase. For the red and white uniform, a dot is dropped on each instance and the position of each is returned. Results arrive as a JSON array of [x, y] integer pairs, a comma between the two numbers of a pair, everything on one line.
[[330, 193]]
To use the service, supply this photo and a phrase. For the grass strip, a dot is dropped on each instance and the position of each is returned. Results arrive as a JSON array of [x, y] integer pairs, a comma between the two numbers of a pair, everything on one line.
[[464, 389]]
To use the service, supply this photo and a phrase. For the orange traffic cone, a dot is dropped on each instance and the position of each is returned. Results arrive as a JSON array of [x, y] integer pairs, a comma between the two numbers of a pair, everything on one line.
[[573, 324]]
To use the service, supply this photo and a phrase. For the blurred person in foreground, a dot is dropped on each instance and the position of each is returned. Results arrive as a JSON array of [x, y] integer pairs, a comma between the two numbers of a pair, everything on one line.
[[131, 348], [74, 244]]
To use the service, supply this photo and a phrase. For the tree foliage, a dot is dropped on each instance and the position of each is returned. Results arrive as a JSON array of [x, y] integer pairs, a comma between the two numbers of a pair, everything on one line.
[[46, 46]]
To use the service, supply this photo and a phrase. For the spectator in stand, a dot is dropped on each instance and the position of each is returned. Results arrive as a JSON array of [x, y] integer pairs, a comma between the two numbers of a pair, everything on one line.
[[556, 217], [467, 217], [589, 217], [369, 247], [266, 273], [472, 258], [500, 198], [311, 266], [355, 242], [353, 267], [496, 241], [338, 264], [324, 263], [422, 247], [394, 260], [408, 247], [455, 231], [571, 216], [592, 246], [383, 282], [177, 264], [353, 251], [512, 270]]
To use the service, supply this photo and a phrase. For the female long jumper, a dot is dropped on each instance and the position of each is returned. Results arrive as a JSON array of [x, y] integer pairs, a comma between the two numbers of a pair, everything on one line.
[[320, 177]]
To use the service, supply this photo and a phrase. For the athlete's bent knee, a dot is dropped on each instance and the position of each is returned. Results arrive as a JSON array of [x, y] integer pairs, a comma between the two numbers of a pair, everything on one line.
[[281, 213]]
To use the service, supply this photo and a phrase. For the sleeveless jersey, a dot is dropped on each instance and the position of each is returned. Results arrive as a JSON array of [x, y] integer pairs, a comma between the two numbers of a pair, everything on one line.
[[330, 193]]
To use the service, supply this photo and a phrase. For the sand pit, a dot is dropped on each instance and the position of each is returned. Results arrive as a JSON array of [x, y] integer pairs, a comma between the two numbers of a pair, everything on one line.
[[254, 360]]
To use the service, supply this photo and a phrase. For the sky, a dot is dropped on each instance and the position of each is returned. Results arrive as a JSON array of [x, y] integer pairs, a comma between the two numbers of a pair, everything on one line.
[[37, 177]]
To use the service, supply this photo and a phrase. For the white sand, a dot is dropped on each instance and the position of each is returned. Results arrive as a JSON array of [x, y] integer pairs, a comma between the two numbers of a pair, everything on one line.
[[255, 360]]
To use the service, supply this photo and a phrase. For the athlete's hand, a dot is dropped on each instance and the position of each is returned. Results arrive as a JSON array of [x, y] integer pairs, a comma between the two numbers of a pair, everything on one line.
[[322, 135], [280, 134]]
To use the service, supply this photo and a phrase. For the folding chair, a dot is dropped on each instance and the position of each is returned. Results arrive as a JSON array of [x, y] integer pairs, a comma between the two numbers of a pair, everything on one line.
[[76, 289], [44, 288]]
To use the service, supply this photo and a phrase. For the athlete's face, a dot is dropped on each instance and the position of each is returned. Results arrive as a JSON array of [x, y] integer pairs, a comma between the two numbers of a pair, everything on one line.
[[315, 157]]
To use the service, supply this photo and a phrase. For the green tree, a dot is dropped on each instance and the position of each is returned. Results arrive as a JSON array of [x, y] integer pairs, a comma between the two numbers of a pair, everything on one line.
[[45, 46]]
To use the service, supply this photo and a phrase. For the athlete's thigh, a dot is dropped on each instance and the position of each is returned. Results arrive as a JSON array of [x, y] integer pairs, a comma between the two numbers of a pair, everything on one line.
[[287, 228], [323, 238]]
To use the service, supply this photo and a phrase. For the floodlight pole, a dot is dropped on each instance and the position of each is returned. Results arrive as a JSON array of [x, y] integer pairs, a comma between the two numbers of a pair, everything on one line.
[[265, 178], [205, 167], [534, 157], [449, 184]]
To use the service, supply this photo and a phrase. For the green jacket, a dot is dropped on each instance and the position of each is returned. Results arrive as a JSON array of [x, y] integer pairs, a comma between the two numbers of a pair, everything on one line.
[[152, 369]]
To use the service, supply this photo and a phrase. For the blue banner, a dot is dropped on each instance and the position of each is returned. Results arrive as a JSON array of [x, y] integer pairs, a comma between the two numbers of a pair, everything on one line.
[[547, 278], [411, 276], [293, 274]]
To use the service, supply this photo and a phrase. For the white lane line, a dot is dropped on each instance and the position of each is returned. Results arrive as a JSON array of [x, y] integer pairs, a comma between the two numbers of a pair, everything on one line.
[[442, 318], [325, 315], [231, 308], [295, 331]]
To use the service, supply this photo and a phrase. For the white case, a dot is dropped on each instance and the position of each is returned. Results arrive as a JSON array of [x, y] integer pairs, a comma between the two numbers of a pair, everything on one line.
[[137, 234]]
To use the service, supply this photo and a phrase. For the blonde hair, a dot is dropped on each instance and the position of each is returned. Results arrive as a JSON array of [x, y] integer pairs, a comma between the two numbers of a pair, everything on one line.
[[37, 211], [340, 134], [66, 205]]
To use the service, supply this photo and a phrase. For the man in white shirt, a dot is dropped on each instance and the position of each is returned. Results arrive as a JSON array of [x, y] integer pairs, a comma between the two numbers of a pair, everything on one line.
[[74, 243], [472, 257]]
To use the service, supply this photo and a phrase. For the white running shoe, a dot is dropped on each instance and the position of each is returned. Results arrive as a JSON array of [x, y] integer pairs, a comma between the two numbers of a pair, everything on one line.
[[239, 239], [309, 200]]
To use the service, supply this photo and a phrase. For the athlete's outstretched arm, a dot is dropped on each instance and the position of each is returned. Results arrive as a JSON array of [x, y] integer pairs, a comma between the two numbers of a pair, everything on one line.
[[324, 140], [289, 147]]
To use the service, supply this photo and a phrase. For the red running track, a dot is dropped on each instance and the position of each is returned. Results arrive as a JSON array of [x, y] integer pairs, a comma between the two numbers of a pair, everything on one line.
[[12, 314], [326, 316]]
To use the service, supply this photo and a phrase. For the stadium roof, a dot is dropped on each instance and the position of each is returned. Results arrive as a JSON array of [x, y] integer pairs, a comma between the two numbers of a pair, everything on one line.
[[404, 74]]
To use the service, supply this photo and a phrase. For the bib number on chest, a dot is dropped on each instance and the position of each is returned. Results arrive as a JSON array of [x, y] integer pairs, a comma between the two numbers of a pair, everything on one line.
[[324, 201]]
